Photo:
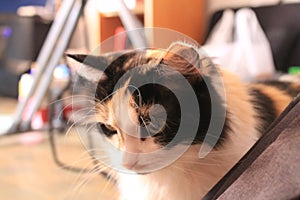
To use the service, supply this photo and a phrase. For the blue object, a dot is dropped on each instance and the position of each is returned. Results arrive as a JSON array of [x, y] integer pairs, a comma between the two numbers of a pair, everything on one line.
[[5, 32], [61, 71], [13, 5]]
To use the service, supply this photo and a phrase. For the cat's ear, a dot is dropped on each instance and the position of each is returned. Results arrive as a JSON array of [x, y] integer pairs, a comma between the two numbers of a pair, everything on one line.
[[88, 67], [185, 59]]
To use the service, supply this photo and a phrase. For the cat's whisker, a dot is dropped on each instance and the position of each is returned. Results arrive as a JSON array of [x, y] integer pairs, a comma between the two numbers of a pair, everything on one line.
[[74, 100], [84, 119], [61, 99], [84, 156], [60, 114], [200, 163], [187, 171], [68, 132], [214, 152], [177, 168], [73, 190], [111, 179], [88, 110], [108, 96], [76, 123], [78, 185]]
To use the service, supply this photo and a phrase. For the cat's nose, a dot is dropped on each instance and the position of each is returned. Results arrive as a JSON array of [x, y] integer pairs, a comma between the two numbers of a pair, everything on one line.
[[132, 144]]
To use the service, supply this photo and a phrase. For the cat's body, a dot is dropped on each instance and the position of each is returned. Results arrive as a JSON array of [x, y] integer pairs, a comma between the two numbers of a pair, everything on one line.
[[249, 110]]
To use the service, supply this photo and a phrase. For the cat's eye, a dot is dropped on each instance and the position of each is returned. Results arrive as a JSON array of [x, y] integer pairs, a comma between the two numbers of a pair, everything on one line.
[[106, 129]]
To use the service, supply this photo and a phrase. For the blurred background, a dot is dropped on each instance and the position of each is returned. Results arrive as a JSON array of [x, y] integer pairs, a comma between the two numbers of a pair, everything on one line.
[[34, 34]]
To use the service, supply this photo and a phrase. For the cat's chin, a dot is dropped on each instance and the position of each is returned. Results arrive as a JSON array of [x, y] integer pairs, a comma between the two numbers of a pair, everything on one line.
[[136, 172], [140, 170], [143, 173]]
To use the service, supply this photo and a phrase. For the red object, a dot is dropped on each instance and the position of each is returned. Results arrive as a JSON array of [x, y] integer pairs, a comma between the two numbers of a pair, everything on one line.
[[120, 39]]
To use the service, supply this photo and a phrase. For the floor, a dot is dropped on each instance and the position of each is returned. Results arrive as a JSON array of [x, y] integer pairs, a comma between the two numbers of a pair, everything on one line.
[[27, 169]]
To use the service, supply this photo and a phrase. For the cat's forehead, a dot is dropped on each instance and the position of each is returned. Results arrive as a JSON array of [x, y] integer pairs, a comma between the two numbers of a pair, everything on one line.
[[154, 53], [150, 57]]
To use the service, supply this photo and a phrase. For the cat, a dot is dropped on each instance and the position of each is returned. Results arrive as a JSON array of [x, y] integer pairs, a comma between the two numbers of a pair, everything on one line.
[[140, 118]]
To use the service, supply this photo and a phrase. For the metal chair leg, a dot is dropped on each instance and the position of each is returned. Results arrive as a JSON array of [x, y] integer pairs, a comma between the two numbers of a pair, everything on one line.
[[52, 50]]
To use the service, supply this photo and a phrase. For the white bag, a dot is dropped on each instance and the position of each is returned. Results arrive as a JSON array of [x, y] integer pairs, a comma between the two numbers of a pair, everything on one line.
[[239, 44]]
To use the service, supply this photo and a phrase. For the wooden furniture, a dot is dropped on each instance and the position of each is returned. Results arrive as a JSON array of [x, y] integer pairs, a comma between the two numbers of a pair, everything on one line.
[[186, 17], [110, 21]]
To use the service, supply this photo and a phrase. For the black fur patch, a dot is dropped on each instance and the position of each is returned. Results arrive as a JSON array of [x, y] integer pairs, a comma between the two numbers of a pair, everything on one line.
[[114, 72], [158, 94], [153, 93], [206, 100], [284, 86], [264, 107]]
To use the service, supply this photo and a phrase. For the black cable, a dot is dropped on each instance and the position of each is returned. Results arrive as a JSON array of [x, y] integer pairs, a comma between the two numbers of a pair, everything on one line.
[[52, 138], [55, 154]]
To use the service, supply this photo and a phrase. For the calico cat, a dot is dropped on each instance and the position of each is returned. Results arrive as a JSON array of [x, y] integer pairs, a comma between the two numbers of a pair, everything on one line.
[[140, 113]]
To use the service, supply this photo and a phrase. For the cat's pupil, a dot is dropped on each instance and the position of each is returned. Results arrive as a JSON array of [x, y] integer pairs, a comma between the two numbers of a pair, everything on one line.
[[106, 129]]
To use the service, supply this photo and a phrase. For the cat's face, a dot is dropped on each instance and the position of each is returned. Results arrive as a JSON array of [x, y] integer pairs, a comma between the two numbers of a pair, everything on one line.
[[147, 105]]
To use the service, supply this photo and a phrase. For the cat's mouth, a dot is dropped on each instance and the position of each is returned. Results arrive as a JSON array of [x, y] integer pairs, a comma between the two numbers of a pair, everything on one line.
[[134, 167], [139, 169]]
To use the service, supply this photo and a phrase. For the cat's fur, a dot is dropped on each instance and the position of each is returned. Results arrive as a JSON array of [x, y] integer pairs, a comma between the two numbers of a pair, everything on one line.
[[250, 108]]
